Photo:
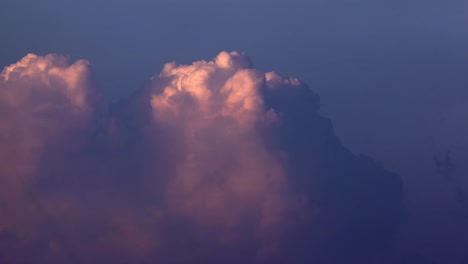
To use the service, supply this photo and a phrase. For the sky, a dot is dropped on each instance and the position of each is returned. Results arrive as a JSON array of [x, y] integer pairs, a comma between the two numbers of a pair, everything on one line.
[[392, 85]]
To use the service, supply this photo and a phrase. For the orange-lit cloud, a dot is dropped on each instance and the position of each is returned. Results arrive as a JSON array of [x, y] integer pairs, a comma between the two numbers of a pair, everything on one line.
[[213, 162], [223, 172], [44, 102], [45, 107]]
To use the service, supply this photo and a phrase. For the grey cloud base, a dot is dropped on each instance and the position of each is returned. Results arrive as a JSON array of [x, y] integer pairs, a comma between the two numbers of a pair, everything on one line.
[[213, 162]]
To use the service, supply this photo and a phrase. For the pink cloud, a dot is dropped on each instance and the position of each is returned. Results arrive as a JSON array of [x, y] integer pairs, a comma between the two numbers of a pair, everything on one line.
[[213, 162], [43, 101], [224, 171]]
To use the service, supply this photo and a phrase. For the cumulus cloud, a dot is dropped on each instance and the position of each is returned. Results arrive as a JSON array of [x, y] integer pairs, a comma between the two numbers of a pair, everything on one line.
[[43, 101], [223, 168], [45, 106], [213, 162]]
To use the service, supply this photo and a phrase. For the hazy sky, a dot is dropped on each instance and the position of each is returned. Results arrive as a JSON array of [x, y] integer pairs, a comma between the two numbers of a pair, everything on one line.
[[391, 74]]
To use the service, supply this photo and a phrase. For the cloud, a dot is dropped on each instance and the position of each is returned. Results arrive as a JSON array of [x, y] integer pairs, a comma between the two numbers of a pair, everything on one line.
[[247, 148], [45, 107], [223, 168], [43, 102], [213, 162]]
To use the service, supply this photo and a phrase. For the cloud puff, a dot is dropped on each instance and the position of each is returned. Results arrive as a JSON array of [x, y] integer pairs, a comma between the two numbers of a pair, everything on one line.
[[45, 107], [43, 101], [223, 168], [247, 148], [213, 162]]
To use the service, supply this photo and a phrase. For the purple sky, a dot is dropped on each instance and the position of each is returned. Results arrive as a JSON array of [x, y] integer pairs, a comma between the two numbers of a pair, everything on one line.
[[391, 76]]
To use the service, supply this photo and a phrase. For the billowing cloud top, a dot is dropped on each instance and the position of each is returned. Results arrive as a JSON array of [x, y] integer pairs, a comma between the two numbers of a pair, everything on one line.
[[224, 169], [213, 162], [42, 99]]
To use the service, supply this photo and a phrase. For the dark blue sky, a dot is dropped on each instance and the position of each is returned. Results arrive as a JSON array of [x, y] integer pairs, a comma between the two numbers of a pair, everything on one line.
[[392, 75]]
